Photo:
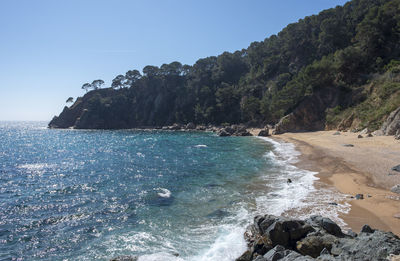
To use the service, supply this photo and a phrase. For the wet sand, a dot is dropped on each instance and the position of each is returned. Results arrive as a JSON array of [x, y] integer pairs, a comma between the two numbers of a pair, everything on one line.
[[362, 169]]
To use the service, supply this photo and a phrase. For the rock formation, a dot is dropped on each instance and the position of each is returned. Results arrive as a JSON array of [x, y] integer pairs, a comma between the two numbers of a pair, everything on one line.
[[273, 238]]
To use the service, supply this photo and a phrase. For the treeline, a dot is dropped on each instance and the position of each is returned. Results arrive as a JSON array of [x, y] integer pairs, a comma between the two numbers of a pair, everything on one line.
[[343, 48]]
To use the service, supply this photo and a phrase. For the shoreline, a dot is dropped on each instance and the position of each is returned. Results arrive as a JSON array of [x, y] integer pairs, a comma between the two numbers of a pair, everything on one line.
[[351, 173]]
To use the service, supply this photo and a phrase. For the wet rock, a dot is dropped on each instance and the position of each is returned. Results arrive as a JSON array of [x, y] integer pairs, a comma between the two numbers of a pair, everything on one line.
[[223, 133], [124, 258], [396, 189], [360, 196]]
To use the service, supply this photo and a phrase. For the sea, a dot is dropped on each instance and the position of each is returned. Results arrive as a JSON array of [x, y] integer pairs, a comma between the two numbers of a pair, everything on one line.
[[160, 195]]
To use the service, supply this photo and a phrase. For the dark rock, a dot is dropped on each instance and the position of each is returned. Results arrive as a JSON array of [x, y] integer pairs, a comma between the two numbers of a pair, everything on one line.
[[274, 254], [264, 132], [313, 245], [360, 136], [223, 133], [190, 126], [392, 123], [279, 238], [327, 224], [369, 135], [348, 145], [124, 258], [396, 168], [333, 203], [289, 181], [396, 189], [359, 196], [367, 229]]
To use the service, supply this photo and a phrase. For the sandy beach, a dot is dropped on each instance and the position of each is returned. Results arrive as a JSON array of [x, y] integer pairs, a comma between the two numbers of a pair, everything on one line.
[[364, 169]]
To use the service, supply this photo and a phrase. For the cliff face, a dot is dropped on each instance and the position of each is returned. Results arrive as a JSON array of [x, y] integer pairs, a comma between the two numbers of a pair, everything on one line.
[[96, 110]]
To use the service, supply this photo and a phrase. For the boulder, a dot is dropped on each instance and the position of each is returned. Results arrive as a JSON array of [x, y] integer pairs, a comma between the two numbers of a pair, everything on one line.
[[392, 123], [367, 229], [336, 133], [190, 126], [396, 168], [378, 133], [124, 258], [396, 189], [284, 239], [369, 135], [359, 196], [223, 133], [264, 132], [348, 145], [365, 131], [360, 136]]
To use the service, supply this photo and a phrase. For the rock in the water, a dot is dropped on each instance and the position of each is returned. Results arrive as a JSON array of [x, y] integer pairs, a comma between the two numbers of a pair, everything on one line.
[[223, 133], [190, 126], [124, 258], [396, 189], [264, 132], [359, 196], [392, 123], [396, 168]]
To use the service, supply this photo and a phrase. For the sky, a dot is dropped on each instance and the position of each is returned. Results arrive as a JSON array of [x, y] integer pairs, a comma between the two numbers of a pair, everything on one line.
[[49, 48]]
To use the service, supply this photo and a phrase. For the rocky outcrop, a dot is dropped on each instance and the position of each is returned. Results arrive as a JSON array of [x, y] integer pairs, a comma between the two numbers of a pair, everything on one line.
[[316, 238], [309, 114], [392, 124], [264, 132], [233, 130]]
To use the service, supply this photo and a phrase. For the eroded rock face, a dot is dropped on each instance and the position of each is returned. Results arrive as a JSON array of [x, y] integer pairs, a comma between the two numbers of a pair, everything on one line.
[[392, 123], [316, 238], [309, 115]]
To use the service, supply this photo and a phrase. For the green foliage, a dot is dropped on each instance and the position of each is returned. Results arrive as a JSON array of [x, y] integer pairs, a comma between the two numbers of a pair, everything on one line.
[[340, 49]]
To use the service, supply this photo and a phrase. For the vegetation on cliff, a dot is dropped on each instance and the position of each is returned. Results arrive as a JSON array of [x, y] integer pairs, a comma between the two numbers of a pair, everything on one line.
[[342, 64]]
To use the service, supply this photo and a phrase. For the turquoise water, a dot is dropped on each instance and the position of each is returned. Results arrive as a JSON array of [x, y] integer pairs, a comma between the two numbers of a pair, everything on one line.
[[93, 195]]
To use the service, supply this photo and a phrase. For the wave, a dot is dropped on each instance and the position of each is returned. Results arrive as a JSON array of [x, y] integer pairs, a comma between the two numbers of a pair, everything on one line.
[[299, 198], [165, 193], [201, 146]]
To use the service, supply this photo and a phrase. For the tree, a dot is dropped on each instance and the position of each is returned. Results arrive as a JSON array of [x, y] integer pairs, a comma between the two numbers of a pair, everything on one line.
[[86, 86], [131, 77], [70, 99], [118, 82], [96, 84]]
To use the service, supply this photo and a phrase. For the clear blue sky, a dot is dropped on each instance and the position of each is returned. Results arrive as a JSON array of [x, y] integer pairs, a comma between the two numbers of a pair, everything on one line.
[[49, 48]]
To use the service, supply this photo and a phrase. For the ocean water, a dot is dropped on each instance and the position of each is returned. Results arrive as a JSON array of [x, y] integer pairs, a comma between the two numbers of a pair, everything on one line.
[[94, 195]]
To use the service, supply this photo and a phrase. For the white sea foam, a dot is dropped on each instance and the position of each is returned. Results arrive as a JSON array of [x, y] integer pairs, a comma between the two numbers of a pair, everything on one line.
[[300, 197], [201, 146], [164, 193]]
